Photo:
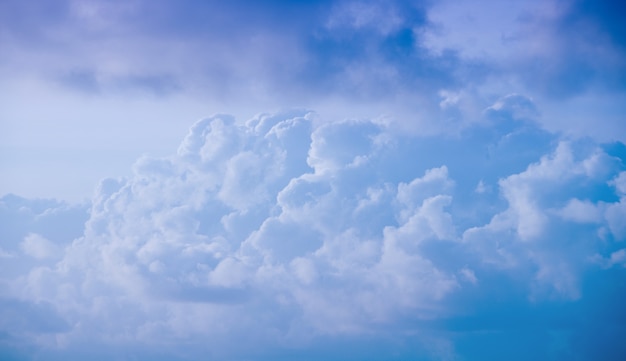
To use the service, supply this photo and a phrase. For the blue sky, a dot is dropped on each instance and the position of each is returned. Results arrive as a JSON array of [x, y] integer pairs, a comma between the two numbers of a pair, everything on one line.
[[354, 180]]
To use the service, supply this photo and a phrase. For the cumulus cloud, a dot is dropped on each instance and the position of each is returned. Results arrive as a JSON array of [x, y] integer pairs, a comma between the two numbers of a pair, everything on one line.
[[283, 230], [535, 197], [453, 193]]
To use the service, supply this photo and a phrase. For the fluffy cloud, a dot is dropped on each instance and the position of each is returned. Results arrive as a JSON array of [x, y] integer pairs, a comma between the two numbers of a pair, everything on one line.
[[107, 70], [285, 231], [536, 198], [466, 209]]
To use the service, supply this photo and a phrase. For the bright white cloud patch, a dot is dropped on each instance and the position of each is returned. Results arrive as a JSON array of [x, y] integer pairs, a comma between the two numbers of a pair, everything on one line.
[[282, 232]]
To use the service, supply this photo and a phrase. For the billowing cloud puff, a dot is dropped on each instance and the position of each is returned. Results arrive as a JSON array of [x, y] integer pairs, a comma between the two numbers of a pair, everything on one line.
[[284, 231]]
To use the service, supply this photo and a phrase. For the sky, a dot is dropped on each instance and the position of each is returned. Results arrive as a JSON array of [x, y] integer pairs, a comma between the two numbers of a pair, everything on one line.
[[306, 180]]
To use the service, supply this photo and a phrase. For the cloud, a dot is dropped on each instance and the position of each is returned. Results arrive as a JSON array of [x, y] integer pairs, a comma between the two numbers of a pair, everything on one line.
[[55, 220], [581, 211], [38, 247], [107, 70], [534, 198], [513, 106], [34, 233], [284, 230], [564, 37], [615, 212], [452, 198], [564, 54]]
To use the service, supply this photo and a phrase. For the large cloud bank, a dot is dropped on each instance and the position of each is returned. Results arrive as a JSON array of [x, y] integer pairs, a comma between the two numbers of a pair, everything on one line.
[[291, 237]]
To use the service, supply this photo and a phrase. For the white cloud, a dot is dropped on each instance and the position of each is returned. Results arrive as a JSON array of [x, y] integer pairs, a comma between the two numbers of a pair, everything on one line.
[[526, 233], [523, 191], [620, 183], [284, 230], [581, 211], [335, 146], [435, 181], [452, 175], [171, 233], [618, 258], [39, 247]]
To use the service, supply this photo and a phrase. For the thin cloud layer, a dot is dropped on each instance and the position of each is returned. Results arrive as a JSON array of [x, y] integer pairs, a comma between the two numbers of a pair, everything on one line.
[[293, 234]]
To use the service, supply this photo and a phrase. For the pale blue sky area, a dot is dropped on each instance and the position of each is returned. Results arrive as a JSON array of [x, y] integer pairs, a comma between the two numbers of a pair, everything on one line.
[[306, 180]]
